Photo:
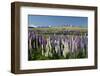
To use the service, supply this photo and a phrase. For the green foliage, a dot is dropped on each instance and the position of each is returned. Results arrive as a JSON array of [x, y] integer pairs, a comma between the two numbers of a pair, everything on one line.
[[36, 55]]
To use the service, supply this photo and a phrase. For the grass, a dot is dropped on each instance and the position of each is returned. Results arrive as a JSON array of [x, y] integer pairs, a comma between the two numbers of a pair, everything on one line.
[[53, 29], [75, 55]]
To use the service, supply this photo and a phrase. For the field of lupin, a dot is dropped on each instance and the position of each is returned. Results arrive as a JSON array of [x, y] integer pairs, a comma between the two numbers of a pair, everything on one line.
[[57, 43]]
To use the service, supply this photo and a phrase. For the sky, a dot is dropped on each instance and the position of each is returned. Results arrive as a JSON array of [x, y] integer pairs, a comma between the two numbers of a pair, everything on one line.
[[43, 20]]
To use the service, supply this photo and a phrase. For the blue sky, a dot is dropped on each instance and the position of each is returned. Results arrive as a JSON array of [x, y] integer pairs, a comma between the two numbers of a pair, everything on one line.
[[43, 20]]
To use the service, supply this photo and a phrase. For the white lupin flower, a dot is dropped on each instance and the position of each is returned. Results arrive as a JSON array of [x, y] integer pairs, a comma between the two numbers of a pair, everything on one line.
[[66, 48]]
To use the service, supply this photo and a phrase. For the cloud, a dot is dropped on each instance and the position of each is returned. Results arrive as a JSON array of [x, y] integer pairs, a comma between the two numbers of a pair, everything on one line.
[[32, 25]]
